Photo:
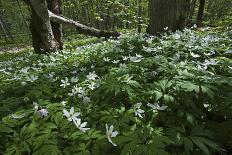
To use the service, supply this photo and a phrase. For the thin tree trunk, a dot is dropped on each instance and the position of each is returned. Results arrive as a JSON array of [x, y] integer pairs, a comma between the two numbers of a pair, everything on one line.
[[139, 16], [200, 12], [192, 9], [7, 34], [55, 7], [21, 12]]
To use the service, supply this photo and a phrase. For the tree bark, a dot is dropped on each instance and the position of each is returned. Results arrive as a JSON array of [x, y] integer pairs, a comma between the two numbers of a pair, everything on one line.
[[55, 7], [192, 9], [171, 14], [200, 12], [42, 35], [139, 28], [46, 26], [83, 29], [6, 31]]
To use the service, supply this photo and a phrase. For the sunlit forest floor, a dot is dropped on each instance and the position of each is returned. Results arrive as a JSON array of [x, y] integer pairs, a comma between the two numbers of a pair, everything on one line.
[[158, 93]]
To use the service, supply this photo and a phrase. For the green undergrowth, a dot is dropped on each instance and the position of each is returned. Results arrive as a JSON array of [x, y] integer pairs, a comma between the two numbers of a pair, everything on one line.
[[138, 95]]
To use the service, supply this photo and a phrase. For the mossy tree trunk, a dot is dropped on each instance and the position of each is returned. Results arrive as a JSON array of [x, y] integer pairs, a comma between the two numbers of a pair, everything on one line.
[[170, 14]]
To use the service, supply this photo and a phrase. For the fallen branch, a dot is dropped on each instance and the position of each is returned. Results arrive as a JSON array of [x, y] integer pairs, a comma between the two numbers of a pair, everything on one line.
[[83, 29]]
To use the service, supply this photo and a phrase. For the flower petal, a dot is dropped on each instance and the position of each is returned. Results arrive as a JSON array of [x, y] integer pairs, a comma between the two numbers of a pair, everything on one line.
[[111, 142], [72, 111], [76, 114], [83, 124], [111, 129], [77, 122], [66, 113], [114, 134]]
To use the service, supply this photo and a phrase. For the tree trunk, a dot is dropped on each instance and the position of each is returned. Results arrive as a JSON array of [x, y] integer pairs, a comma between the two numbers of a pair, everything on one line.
[[192, 9], [170, 14], [200, 12], [55, 7], [139, 16], [46, 26], [43, 39], [6, 31]]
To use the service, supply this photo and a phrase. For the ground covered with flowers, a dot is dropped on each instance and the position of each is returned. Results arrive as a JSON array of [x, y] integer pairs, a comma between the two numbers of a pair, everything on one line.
[[138, 95]]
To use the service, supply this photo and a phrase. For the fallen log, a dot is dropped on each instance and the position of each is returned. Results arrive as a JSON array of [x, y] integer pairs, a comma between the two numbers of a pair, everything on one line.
[[83, 29]]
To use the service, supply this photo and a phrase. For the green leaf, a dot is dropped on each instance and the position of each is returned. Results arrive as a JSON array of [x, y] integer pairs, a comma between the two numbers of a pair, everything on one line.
[[5, 129], [168, 98], [188, 145], [76, 135], [58, 117], [210, 143], [51, 125], [189, 87], [200, 144], [190, 118]]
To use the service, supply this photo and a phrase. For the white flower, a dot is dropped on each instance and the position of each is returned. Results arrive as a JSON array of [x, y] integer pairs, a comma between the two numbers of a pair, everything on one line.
[[64, 103], [125, 58], [128, 79], [156, 106], [195, 26], [65, 82], [73, 93], [76, 90], [106, 59], [74, 79], [80, 125], [166, 28], [17, 116], [92, 76], [138, 55], [23, 83], [24, 70], [71, 115], [176, 36], [136, 58], [110, 134], [122, 65], [194, 55], [206, 105], [51, 75], [31, 78], [92, 85], [209, 62], [86, 99], [159, 47], [74, 72], [83, 69], [36, 107], [137, 110], [43, 112], [115, 61]]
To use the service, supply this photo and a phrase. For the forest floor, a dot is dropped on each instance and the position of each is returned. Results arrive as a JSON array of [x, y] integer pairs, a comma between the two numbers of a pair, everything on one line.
[[14, 49], [71, 41], [137, 93]]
